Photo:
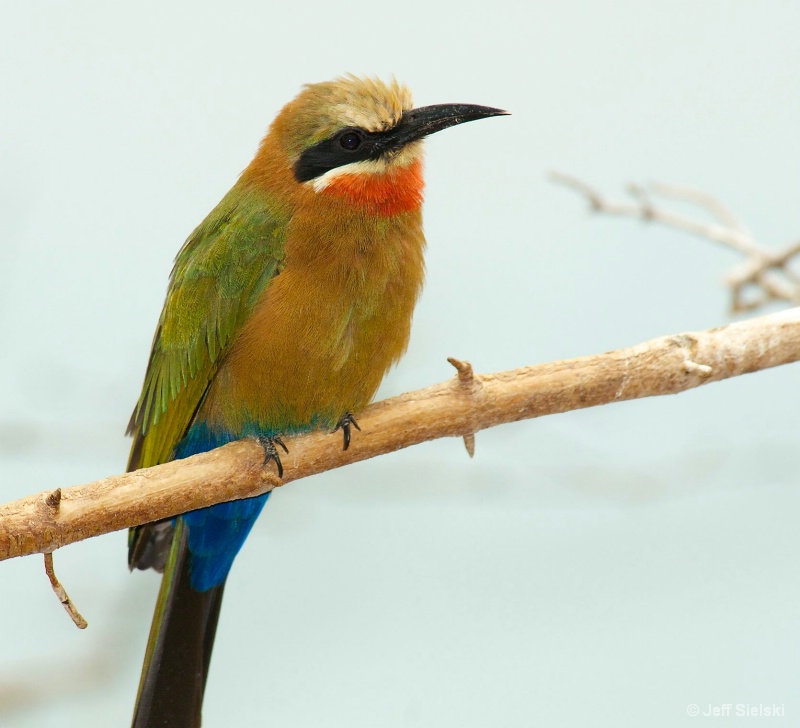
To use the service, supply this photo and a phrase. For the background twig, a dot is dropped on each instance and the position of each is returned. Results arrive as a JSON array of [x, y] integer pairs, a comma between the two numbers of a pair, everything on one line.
[[762, 270]]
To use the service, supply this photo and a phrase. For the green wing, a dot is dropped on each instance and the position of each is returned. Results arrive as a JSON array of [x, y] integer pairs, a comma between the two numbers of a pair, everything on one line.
[[219, 274]]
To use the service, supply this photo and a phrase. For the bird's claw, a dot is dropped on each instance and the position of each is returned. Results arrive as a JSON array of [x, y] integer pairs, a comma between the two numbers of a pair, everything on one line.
[[344, 423], [268, 442]]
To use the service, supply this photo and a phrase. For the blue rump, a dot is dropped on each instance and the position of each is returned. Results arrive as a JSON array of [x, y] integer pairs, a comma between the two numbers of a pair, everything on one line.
[[215, 534]]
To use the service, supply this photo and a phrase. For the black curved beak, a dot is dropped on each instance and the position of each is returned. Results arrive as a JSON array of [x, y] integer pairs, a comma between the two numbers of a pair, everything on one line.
[[413, 125], [426, 120]]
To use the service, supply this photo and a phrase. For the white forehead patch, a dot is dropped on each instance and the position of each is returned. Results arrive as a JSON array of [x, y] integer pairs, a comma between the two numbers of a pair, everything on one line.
[[370, 104]]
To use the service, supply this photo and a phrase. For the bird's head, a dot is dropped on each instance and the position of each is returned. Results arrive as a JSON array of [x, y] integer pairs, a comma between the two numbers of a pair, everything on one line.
[[361, 139]]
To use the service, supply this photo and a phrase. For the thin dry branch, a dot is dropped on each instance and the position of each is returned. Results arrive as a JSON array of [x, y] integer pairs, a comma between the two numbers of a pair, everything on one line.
[[61, 593], [459, 407], [762, 269]]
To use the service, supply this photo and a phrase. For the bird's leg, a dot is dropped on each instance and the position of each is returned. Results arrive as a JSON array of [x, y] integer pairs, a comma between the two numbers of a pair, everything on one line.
[[268, 442], [344, 423]]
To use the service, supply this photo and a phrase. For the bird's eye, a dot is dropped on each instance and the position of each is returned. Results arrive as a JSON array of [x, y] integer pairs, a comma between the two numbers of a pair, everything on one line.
[[350, 141]]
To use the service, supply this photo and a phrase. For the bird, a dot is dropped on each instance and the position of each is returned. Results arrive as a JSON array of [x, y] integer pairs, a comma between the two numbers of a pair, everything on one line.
[[285, 308]]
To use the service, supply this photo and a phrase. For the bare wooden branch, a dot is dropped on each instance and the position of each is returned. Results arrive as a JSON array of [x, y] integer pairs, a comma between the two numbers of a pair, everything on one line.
[[61, 593], [762, 269], [454, 408]]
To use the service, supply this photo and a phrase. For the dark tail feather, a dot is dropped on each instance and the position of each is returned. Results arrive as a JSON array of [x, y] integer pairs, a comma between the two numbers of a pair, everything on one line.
[[179, 648]]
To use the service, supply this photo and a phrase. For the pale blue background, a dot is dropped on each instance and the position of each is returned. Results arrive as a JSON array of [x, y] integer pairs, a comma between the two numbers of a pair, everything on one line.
[[599, 568]]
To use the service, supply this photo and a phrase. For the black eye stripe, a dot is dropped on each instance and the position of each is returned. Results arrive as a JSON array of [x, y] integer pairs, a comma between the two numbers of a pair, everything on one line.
[[345, 147]]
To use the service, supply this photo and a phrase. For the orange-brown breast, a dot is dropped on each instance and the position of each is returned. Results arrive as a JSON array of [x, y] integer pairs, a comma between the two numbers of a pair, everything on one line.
[[329, 326]]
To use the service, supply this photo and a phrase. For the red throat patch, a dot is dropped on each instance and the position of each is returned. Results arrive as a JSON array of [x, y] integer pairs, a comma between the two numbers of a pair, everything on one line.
[[384, 193]]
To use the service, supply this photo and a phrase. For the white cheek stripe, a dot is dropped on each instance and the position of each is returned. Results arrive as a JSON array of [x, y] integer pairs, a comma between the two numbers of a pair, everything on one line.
[[370, 166]]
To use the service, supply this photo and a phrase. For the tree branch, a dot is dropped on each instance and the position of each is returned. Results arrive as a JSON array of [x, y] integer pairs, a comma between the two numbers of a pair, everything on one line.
[[459, 407], [762, 269]]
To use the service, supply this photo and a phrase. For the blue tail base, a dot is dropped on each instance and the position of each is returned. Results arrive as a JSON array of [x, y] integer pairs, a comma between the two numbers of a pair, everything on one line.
[[216, 533]]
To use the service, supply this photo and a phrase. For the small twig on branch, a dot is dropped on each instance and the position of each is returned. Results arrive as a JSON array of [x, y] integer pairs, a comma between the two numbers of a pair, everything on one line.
[[61, 593], [762, 269], [454, 408], [467, 378], [53, 501]]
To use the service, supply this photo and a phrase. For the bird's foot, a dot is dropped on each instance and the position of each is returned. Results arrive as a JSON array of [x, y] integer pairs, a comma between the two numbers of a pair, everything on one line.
[[271, 452], [344, 423]]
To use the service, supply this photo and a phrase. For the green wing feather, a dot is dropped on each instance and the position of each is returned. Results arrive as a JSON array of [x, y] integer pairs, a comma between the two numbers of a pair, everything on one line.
[[219, 274]]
